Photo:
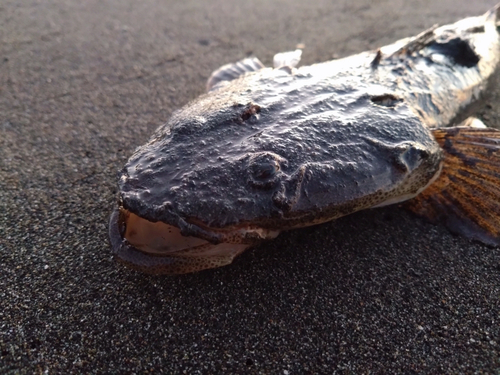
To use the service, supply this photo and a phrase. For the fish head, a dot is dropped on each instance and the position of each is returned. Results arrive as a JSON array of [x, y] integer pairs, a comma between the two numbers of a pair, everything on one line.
[[236, 167]]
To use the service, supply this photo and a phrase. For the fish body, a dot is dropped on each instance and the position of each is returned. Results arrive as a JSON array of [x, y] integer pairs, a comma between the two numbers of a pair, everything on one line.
[[272, 149]]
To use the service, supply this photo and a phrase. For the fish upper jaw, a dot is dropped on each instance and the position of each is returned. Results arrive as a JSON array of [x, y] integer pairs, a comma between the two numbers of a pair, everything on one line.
[[161, 248], [164, 213], [155, 260]]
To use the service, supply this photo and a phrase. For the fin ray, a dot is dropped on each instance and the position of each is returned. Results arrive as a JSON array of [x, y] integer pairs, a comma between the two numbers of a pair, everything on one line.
[[416, 43], [232, 71], [466, 196]]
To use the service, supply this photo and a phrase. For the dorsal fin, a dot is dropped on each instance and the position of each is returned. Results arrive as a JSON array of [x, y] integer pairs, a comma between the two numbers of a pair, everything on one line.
[[493, 14], [417, 43], [289, 59], [232, 71]]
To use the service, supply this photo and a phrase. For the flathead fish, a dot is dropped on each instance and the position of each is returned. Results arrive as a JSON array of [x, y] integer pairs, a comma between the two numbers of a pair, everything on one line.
[[272, 149]]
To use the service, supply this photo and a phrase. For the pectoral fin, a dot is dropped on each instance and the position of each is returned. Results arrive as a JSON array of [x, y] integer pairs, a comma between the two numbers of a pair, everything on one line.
[[229, 72], [466, 196], [289, 59]]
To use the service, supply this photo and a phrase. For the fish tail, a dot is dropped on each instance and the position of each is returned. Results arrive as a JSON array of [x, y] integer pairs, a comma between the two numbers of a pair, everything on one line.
[[466, 195]]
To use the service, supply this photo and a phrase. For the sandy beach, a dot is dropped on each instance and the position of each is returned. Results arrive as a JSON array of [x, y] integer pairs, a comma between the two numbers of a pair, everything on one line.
[[82, 84]]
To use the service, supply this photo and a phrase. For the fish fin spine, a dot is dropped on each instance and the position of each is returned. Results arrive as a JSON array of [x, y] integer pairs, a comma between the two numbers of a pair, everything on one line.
[[232, 71]]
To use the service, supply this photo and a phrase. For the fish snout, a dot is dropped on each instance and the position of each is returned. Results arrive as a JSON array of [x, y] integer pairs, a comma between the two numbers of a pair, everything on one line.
[[166, 214]]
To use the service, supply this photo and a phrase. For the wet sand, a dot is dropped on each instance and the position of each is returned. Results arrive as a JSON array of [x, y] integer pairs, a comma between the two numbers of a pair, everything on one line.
[[83, 84]]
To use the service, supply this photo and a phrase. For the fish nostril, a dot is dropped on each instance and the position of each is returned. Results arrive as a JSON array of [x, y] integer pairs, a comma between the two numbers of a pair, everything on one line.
[[250, 110]]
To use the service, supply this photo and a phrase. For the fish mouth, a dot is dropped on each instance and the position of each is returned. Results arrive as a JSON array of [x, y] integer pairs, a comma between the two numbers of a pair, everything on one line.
[[161, 248]]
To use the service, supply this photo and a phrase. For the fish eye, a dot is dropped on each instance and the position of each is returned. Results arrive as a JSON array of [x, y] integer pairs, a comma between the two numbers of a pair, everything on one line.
[[264, 169]]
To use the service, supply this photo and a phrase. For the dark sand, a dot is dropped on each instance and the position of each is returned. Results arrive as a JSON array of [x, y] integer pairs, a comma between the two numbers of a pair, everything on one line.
[[81, 85]]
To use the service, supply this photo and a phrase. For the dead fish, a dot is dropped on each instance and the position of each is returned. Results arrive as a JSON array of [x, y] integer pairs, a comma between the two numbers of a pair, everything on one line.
[[272, 149]]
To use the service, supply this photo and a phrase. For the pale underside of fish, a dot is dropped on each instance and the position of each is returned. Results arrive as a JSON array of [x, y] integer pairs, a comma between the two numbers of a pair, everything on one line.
[[272, 149]]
